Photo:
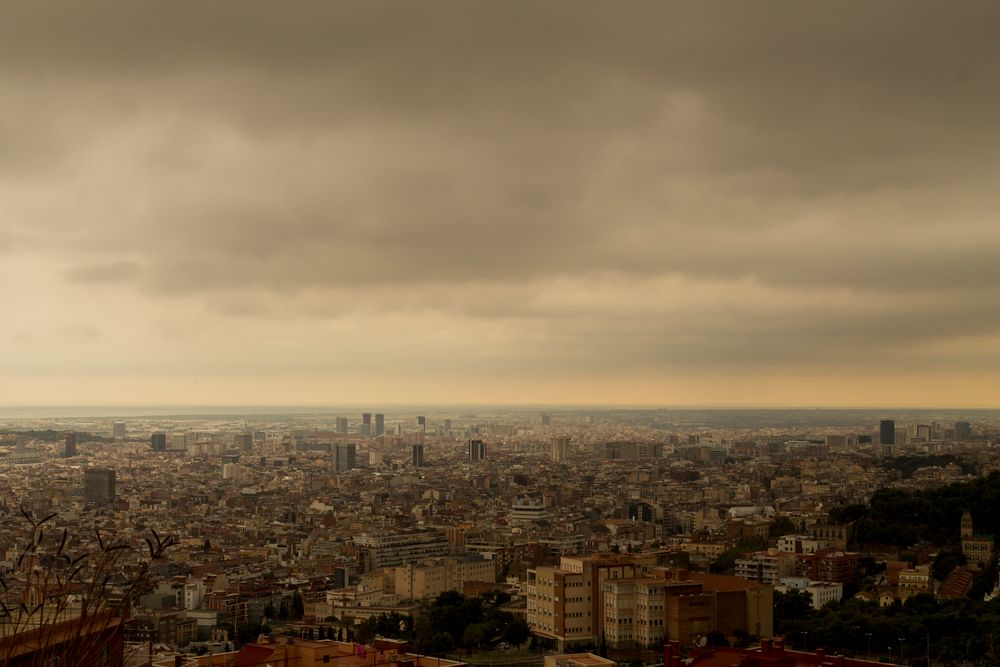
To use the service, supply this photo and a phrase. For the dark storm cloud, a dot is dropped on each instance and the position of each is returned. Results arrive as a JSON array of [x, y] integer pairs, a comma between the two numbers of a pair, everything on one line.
[[832, 166]]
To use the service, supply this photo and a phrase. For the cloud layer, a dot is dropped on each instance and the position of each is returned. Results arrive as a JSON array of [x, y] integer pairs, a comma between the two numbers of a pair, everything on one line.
[[617, 204]]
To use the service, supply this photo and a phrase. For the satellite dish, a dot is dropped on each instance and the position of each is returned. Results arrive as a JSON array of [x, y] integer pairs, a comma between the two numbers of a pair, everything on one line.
[[702, 641]]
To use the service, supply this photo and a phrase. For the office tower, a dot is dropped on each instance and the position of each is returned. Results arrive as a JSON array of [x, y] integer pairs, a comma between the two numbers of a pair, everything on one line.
[[118, 430], [379, 424], [546, 419], [366, 424], [418, 456], [344, 456], [963, 431], [159, 442], [477, 450], [422, 423], [99, 485], [341, 424], [231, 471], [560, 449], [887, 437], [447, 425], [244, 442], [69, 448], [887, 432]]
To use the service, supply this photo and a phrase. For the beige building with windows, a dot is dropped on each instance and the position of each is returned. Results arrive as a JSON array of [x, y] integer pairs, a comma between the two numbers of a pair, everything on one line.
[[915, 580], [564, 601], [431, 577], [674, 604], [632, 603], [766, 567]]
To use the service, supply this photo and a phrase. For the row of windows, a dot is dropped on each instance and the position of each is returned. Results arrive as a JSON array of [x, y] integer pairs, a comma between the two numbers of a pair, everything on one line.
[[652, 621]]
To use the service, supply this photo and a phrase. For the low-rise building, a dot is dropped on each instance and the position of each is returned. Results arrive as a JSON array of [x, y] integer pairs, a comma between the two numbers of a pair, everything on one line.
[[430, 578]]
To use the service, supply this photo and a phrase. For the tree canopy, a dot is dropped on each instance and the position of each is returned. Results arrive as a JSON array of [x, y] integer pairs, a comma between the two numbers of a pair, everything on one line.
[[958, 630], [451, 621], [903, 518]]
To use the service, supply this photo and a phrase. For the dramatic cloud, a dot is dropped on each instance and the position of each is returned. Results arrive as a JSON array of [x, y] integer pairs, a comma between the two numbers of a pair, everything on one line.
[[645, 203]]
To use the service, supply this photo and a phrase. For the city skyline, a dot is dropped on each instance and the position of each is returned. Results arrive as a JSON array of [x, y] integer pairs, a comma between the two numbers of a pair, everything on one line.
[[446, 203]]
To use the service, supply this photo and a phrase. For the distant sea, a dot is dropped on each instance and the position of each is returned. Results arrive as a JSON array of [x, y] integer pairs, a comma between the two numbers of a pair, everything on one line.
[[655, 417]]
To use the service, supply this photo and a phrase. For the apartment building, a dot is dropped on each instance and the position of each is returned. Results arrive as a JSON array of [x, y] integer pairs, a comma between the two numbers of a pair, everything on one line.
[[632, 603], [822, 592], [674, 604], [914, 580], [430, 578], [564, 601], [391, 549], [766, 567]]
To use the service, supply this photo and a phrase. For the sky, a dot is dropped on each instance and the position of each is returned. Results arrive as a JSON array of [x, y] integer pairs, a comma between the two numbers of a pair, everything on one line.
[[642, 203]]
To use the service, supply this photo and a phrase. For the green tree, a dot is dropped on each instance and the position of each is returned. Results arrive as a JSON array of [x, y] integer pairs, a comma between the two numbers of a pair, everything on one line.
[[298, 608], [475, 634], [727, 559], [782, 526], [516, 632], [946, 561], [790, 610]]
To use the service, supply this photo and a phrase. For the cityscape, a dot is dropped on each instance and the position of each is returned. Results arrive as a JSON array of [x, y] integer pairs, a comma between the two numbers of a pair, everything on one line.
[[507, 333], [604, 533]]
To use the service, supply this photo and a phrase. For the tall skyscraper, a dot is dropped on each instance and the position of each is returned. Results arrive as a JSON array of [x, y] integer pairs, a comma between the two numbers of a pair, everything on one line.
[[344, 456], [366, 424], [118, 430], [477, 450], [69, 447], [560, 449], [244, 442], [887, 437], [887, 432], [379, 424], [418, 456], [963, 431], [422, 423], [99, 485], [341, 424], [546, 419], [158, 441]]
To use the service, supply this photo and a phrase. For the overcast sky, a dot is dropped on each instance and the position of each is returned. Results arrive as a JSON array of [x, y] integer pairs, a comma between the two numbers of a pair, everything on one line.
[[743, 203]]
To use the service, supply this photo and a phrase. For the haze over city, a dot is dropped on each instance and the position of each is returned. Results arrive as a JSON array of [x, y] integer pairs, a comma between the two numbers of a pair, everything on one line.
[[499, 334], [708, 204]]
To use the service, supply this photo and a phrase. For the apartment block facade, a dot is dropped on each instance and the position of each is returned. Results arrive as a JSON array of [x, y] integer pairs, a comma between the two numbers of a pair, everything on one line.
[[633, 603]]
